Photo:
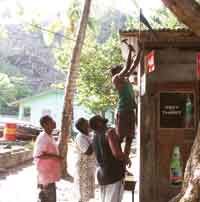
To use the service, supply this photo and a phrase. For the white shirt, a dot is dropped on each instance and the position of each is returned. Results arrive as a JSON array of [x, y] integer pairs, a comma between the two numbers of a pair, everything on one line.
[[82, 142]]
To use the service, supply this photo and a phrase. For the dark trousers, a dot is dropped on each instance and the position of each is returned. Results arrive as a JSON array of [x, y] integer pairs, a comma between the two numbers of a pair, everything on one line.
[[47, 193]]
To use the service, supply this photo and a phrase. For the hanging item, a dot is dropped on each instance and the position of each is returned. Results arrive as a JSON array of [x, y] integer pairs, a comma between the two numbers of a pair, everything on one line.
[[150, 61], [198, 64]]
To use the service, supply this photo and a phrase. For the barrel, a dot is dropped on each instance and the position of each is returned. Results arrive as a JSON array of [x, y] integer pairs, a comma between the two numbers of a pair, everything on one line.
[[9, 132]]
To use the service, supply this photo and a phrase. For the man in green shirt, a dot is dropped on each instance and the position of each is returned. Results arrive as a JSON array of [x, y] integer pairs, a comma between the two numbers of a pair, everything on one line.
[[125, 116]]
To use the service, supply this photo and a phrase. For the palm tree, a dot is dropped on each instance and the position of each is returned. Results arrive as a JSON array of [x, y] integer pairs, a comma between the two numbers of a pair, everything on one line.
[[74, 13], [187, 12], [71, 84]]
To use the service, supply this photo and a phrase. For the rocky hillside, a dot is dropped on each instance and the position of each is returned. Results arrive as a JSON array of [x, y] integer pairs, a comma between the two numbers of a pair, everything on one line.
[[25, 54], [112, 20]]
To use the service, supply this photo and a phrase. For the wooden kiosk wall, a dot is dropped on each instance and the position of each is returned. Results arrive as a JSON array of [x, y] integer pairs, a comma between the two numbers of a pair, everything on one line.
[[167, 89], [173, 80]]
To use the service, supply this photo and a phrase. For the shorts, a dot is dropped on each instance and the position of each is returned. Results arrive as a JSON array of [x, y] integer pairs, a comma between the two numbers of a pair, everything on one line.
[[125, 124]]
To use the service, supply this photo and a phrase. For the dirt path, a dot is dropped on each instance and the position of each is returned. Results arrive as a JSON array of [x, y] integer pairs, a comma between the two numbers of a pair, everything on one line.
[[19, 185]]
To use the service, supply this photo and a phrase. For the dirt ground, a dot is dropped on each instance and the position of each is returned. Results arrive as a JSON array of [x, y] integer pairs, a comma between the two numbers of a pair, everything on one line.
[[19, 184]]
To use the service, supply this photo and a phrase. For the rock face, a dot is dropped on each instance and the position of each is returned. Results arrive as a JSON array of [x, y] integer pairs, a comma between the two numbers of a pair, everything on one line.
[[112, 21], [25, 54]]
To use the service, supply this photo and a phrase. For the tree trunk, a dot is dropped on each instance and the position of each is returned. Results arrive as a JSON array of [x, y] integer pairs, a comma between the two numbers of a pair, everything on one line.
[[187, 12], [70, 86], [190, 191]]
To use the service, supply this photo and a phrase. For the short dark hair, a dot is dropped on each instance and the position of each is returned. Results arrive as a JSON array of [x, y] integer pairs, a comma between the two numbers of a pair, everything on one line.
[[45, 119], [116, 69], [79, 124], [93, 121]]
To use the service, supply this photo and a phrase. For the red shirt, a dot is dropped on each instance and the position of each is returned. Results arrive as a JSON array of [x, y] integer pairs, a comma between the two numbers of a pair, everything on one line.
[[49, 169]]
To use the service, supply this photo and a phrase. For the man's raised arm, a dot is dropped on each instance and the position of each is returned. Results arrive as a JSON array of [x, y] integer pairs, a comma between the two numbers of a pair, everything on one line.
[[136, 61], [128, 62]]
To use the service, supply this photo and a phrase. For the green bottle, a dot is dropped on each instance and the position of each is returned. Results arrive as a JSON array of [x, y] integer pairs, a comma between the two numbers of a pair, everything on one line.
[[175, 167], [188, 113]]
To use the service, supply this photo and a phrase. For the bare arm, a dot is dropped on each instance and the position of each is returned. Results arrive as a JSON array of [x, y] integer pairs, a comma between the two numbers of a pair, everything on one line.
[[45, 155], [129, 61], [136, 61], [115, 145]]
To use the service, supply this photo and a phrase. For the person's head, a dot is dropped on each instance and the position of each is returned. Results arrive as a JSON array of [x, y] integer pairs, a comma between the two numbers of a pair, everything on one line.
[[98, 123], [115, 69], [82, 125], [47, 123]]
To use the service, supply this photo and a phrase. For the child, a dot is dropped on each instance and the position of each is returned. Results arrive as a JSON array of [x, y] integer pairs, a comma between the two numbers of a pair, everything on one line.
[[47, 159], [125, 117]]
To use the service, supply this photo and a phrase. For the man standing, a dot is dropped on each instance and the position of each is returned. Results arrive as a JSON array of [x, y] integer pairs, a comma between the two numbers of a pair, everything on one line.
[[47, 161], [125, 116], [110, 158]]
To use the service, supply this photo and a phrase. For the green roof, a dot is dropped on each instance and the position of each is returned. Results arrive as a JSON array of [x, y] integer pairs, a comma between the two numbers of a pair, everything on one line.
[[40, 94]]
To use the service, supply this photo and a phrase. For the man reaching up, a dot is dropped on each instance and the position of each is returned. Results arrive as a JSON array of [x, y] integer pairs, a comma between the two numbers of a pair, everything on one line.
[[125, 116]]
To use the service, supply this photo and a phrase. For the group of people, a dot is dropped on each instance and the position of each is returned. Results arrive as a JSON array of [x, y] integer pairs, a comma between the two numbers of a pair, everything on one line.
[[104, 149]]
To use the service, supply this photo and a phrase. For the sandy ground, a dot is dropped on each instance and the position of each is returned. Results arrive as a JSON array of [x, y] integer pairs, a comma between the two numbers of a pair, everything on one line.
[[19, 185]]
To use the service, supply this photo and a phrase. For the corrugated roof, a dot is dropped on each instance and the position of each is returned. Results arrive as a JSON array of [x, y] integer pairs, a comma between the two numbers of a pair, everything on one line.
[[181, 37], [158, 30]]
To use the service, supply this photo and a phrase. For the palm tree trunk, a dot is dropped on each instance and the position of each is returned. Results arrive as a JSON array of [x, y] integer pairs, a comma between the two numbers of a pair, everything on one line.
[[190, 191], [70, 86], [187, 12]]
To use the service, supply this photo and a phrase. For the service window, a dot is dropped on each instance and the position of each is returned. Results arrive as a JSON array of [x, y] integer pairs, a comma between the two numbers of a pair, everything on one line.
[[176, 110]]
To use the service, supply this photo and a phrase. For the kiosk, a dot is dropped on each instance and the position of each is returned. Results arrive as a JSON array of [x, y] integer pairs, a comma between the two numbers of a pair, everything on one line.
[[168, 109]]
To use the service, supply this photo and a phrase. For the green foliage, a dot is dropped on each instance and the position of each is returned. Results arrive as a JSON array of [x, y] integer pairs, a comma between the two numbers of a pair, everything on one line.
[[62, 54], [95, 90], [54, 27], [73, 14], [32, 26], [160, 18], [20, 87], [11, 89], [132, 23], [7, 88], [163, 18], [94, 87]]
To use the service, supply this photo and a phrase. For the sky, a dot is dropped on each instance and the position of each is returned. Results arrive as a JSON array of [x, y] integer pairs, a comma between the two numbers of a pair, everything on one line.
[[51, 7]]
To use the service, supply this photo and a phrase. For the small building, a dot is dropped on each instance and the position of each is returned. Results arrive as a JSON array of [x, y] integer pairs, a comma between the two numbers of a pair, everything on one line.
[[49, 102], [168, 109]]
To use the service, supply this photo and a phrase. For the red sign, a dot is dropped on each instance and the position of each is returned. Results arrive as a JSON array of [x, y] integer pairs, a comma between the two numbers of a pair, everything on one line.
[[198, 64], [150, 61]]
